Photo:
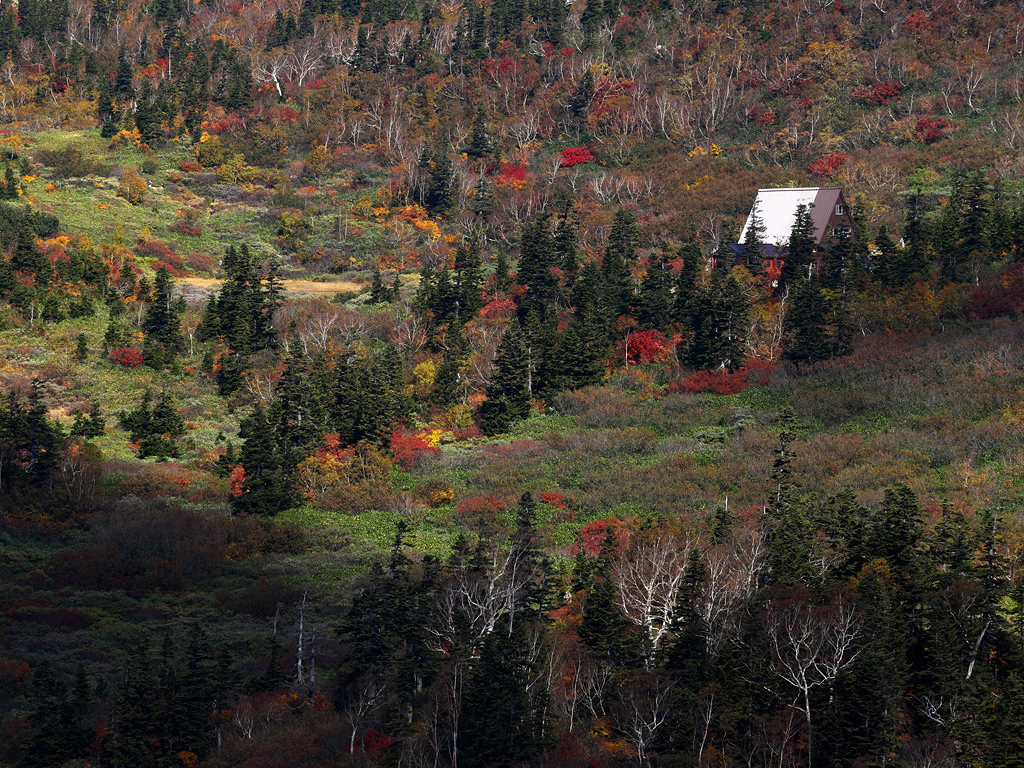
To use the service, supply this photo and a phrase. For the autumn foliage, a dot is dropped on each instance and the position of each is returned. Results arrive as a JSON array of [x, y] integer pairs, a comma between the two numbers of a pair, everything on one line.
[[127, 356]]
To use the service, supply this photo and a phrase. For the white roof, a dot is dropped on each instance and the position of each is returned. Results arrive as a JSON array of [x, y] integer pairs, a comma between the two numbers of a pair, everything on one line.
[[777, 210]]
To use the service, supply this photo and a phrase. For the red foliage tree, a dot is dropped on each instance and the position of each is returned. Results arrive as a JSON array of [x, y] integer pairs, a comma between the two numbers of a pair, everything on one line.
[[592, 536], [828, 166], [644, 347], [408, 450], [576, 156], [931, 129], [126, 356]]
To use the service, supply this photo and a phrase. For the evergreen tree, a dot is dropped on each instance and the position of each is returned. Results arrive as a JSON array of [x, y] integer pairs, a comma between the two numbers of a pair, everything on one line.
[[806, 338], [654, 308], [379, 294], [537, 258], [619, 255], [163, 315], [508, 398], [503, 713], [438, 172], [684, 290], [603, 630], [800, 252], [447, 381], [887, 262], [267, 488], [469, 280], [479, 144], [753, 241], [582, 96], [915, 238]]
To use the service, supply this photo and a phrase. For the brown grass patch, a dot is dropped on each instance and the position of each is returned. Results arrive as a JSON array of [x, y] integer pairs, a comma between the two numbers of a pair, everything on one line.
[[290, 286]]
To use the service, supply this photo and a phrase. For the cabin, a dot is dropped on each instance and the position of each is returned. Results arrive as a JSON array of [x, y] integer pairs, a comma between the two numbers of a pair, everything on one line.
[[776, 208]]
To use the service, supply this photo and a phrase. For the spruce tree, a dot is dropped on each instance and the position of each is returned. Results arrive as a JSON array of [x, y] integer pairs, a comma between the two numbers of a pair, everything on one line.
[[806, 338], [163, 315], [508, 398], [379, 294], [619, 256], [654, 308], [753, 241], [800, 252], [267, 488]]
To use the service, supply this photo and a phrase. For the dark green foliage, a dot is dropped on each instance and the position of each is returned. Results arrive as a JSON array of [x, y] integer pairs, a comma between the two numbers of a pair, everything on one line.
[[800, 251], [654, 304], [89, 425], [753, 241], [603, 631], [619, 256], [166, 703], [684, 290], [81, 348], [154, 427], [508, 394], [30, 445], [469, 280], [447, 384], [806, 334], [504, 713], [242, 314], [438, 183], [479, 144], [268, 485], [379, 294], [162, 325], [537, 257], [367, 397], [717, 315]]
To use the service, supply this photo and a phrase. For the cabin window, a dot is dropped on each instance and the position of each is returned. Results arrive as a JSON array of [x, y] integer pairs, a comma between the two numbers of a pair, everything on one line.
[[839, 210]]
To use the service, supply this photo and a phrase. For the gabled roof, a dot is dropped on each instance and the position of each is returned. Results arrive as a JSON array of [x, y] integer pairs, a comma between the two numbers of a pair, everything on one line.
[[777, 210]]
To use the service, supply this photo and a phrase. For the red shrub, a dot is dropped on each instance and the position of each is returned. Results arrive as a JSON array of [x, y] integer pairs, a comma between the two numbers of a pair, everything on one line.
[[375, 741], [498, 308], [931, 129], [183, 228], [200, 262], [576, 156], [592, 535], [645, 347], [188, 166], [164, 255], [407, 450], [64, 618], [554, 499], [511, 175], [878, 94], [722, 382], [828, 166], [1001, 296], [718, 382], [480, 505], [126, 356]]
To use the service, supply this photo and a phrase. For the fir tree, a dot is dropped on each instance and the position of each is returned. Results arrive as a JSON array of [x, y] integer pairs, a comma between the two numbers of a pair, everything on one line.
[[508, 398], [654, 308], [800, 252], [753, 241], [379, 294], [267, 488], [163, 315], [806, 338], [479, 144]]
